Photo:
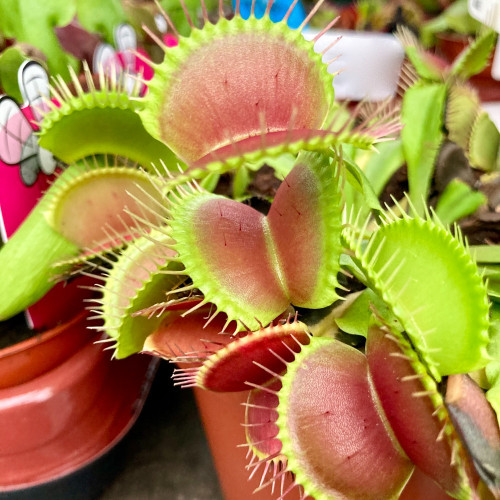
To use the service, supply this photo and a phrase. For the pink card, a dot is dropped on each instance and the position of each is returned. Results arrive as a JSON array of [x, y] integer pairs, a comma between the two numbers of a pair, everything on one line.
[[22, 181]]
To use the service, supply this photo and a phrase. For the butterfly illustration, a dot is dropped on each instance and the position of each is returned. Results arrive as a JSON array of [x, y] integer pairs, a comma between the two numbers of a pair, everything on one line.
[[18, 142], [122, 64], [22, 160]]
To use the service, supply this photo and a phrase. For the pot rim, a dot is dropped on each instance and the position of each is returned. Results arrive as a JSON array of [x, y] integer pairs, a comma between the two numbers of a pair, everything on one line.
[[41, 337], [134, 404]]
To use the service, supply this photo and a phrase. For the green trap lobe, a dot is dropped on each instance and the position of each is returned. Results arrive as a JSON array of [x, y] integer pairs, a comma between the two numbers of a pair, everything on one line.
[[87, 208], [74, 132], [433, 287], [134, 283]]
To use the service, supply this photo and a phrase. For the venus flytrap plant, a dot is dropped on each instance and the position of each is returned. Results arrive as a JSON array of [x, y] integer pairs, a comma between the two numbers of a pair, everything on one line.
[[438, 104], [76, 128], [224, 290], [143, 271]]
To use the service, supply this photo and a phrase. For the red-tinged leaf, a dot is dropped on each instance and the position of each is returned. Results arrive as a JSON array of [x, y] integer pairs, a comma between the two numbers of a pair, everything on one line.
[[305, 221], [271, 144], [178, 336], [416, 413], [251, 266], [89, 205], [238, 365], [223, 245], [260, 422], [335, 439], [234, 80]]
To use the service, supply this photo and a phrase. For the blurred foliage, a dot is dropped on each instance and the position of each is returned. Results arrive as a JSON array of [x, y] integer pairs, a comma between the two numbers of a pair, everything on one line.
[[98, 16], [10, 61], [33, 22]]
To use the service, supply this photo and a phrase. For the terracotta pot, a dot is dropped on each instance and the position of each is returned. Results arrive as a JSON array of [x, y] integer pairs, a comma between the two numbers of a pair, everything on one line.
[[222, 415], [26, 360], [64, 406]]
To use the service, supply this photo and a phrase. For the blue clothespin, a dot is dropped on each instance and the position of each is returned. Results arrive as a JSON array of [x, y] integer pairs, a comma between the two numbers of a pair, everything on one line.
[[278, 11]]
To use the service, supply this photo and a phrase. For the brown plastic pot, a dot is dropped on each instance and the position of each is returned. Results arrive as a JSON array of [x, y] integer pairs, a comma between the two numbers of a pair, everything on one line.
[[222, 415], [64, 406], [26, 360]]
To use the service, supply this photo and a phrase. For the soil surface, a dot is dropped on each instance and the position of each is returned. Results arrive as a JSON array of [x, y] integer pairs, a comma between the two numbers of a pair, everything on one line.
[[15, 330]]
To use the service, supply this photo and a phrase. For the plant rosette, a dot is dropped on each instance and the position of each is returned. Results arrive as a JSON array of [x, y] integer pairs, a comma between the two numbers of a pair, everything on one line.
[[229, 293]]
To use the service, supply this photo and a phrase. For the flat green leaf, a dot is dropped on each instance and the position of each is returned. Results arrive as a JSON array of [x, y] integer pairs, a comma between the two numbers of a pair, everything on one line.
[[358, 180], [210, 182], [457, 201], [282, 164], [422, 135], [474, 58], [347, 263], [356, 318], [33, 22], [27, 259], [100, 17], [383, 164], [378, 165], [455, 18], [486, 253], [491, 273], [240, 182], [429, 30]]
